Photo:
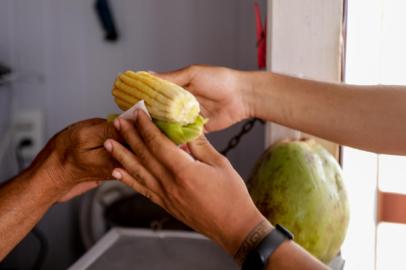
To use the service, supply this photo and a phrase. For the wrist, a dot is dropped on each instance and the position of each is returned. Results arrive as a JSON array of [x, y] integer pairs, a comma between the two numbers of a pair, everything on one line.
[[244, 230], [246, 82], [251, 92], [252, 240], [48, 176], [35, 182]]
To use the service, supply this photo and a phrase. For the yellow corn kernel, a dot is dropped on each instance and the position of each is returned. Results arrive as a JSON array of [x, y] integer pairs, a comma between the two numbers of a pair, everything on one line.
[[164, 100]]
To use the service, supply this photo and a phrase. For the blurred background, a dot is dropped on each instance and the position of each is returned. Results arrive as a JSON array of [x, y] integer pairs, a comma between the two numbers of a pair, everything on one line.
[[56, 68], [63, 69]]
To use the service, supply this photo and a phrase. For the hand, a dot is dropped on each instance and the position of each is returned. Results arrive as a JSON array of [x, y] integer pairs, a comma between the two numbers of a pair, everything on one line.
[[223, 93], [203, 191], [74, 160]]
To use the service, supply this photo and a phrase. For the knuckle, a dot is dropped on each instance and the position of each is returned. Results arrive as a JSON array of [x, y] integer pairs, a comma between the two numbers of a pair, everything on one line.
[[155, 148], [202, 141], [147, 194], [116, 151], [136, 174], [184, 185], [141, 154], [73, 139], [126, 130], [125, 124], [133, 185], [172, 193], [150, 137], [134, 142], [82, 136], [135, 145], [120, 154], [181, 171], [109, 132], [152, 145], [221, 160]]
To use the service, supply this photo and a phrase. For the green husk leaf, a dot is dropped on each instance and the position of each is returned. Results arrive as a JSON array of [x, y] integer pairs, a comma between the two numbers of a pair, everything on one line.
[[181, 134]]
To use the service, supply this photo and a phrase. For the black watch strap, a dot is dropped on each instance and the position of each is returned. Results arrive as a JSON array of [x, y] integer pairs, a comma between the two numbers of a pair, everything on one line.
[[256, 258]]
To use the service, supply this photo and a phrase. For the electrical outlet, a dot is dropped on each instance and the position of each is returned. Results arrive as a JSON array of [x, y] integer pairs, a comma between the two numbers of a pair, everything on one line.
[[28, 126]]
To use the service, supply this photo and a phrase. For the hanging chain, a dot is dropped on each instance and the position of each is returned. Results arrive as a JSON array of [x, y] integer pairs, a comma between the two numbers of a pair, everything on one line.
[[235, 140]]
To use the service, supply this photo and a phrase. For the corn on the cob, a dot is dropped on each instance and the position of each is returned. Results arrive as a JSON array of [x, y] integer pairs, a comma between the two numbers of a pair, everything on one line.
[[173, 109], [165, 101]]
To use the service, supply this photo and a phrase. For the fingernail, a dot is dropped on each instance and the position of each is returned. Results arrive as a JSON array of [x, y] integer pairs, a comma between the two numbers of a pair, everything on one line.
[[117, 175], [135, 114], [108, 145], [117, 124]]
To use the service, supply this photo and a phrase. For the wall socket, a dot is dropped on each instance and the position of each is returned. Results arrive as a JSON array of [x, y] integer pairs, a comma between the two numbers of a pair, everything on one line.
[[28, 126]]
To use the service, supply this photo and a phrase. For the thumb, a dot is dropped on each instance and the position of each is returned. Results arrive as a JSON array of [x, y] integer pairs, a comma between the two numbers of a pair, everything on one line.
[[202, 150], [180, 77]]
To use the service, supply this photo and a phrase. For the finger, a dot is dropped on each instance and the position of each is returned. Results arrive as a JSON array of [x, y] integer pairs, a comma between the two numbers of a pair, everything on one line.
[[133, 139], [126, 178], [181, 76], [202, 150], [96, 133], [164, 150], [130, 162]]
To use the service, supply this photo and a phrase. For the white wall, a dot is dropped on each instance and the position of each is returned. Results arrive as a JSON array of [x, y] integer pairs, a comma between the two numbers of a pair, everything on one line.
[[62, 42], [66, 68], [5, 93]]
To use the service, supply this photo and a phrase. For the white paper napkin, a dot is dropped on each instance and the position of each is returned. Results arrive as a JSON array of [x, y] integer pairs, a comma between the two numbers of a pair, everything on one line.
[[129, 114]]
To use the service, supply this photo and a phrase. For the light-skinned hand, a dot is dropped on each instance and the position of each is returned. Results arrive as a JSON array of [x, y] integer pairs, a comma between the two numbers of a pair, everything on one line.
[[202, 189], [224, 94]]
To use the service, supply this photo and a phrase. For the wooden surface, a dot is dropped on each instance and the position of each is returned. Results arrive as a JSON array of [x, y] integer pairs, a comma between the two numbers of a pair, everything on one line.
[[304, 39], [391, 207]]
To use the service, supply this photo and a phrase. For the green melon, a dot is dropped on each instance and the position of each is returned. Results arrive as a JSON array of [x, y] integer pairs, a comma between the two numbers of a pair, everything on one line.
[[299, 185]]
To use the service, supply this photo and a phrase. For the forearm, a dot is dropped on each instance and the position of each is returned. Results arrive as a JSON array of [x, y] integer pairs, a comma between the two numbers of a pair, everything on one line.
[[23, 201], [371, 118], [72, 162]]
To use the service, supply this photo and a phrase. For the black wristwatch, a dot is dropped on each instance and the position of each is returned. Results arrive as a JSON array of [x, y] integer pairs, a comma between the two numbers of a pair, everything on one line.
[[256, 258]]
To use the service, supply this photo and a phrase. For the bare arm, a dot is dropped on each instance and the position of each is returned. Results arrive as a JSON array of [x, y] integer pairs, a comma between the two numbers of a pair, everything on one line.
[[71, 163], [24, 200], [371, 118]]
